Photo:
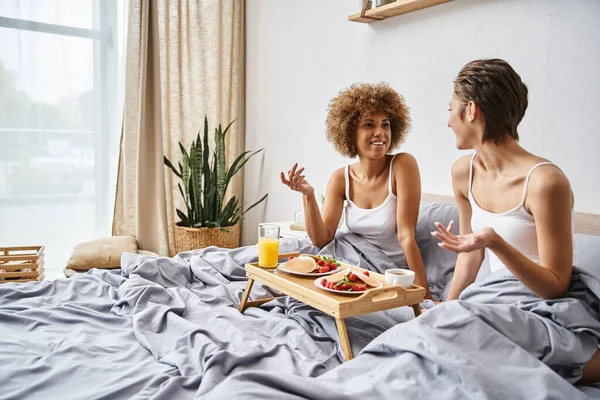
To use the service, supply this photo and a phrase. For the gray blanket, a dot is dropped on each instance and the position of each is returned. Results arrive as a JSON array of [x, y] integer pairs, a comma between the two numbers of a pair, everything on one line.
[[169, 329], [484, 346]]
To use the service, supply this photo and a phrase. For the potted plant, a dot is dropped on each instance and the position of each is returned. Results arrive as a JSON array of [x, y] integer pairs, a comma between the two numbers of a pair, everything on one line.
[[204, 175]]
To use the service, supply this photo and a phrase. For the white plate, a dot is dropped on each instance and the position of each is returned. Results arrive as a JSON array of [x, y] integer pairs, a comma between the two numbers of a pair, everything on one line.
[[281, 267], [318, 284]]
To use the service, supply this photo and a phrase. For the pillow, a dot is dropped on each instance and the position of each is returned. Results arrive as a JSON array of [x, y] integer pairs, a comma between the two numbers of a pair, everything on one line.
[[587, 255], [70, 272], [101, 253], [439, 263]]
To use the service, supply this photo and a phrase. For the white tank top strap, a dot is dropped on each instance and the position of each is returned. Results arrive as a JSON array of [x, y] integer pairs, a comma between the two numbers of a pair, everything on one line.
[[390, 176], [347, 178], [529, 176], [471, 174]]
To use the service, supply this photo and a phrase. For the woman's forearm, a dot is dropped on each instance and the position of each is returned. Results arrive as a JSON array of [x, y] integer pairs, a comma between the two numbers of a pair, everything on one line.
[[415, 262], [540, 280], [465, 272], [315, 228]]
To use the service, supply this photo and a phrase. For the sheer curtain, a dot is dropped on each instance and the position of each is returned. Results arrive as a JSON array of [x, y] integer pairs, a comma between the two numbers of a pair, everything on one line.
[[61, 96], [185, 61]]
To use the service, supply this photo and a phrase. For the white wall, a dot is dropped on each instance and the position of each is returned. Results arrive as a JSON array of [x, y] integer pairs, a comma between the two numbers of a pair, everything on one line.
[[301, 53]]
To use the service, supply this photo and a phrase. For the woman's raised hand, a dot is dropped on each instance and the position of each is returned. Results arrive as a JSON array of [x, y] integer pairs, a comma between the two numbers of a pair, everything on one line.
[[462, 243], [295, 181]]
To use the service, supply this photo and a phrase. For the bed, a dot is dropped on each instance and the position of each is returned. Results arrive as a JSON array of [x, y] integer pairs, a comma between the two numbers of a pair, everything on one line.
[[169, 328]]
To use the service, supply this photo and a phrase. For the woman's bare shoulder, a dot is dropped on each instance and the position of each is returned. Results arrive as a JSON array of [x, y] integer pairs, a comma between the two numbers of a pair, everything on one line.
[[547, 182], [403, 161], [338, 175], [460, 172], [337, 181], [403, 157], [461, 168]]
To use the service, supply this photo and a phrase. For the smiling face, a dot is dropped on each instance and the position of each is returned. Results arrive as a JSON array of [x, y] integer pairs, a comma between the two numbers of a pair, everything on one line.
[[373, 136], [357, 112]]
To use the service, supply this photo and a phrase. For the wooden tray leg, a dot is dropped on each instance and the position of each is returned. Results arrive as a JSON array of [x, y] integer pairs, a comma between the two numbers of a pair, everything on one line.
[[257, 303], [344, 341], [416, 309], [244, 302]]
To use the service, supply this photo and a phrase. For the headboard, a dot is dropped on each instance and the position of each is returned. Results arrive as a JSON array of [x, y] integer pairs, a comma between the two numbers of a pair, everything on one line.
[[588, 224]]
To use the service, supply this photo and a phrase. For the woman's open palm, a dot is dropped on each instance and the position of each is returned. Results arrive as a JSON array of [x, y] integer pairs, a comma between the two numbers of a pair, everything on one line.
[[295, 181], [462, 243]]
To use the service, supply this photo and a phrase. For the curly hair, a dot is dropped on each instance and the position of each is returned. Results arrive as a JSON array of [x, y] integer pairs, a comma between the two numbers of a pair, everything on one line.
[[359, 101]]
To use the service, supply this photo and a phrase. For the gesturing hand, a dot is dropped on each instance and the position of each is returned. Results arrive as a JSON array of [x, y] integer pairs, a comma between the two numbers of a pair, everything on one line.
[[295, 181], [462, 243]]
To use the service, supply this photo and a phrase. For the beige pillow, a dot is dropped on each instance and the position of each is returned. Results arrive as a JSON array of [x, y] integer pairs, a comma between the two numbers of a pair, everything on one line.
[[101, 253], [71, 272]]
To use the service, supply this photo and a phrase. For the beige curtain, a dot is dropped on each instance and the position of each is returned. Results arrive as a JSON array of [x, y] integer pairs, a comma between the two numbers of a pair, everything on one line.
[[185, 60]]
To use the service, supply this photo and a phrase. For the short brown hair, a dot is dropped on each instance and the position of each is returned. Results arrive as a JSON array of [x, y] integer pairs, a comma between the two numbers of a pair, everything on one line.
[[500, 93], [359, 101]]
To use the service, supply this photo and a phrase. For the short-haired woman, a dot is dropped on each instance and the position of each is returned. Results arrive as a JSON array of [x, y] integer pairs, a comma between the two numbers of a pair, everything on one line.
[[515, 204]]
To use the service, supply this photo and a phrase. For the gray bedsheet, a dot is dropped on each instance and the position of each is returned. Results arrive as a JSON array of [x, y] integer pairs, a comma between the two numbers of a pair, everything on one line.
[[169, 329], [483, 346]]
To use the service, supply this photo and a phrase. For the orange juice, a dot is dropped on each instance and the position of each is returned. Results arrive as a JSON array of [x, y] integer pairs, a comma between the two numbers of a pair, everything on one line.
[[268, 252]]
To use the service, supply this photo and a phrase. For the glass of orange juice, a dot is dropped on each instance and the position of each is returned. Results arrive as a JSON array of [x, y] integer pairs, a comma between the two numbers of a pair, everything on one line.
[[268, 245]]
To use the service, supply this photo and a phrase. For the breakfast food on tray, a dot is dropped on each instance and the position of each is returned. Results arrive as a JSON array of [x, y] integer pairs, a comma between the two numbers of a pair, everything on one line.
[[302, 264], [350, 281], [306, 263]]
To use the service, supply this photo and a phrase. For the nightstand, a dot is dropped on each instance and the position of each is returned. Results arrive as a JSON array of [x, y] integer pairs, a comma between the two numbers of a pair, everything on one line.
[[286, 232]]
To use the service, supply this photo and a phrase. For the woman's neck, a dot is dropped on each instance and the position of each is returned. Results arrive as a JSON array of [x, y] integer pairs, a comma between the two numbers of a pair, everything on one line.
[[371, 169], [500, 158]]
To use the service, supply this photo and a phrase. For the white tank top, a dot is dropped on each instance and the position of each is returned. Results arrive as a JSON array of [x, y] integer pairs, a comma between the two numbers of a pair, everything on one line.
[[516, 226], [377, 225]]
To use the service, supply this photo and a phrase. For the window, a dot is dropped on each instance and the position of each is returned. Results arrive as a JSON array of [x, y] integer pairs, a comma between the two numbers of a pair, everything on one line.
[[61, 95]]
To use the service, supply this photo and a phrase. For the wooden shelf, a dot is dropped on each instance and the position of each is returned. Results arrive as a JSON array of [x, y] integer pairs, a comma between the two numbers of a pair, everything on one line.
[[391, 10]]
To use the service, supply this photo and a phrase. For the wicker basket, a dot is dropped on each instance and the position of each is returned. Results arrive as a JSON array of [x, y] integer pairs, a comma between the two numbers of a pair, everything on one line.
[[199, 238], [21, 264]]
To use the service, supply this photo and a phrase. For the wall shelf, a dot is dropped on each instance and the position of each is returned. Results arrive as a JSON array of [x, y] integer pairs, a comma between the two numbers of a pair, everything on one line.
[[391, 10]]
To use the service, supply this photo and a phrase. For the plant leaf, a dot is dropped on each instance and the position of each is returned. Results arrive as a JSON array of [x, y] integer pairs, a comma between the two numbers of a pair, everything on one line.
[[183, 150], [237, 165], [226, 129], [184, 220], [185, 200], [255, 204], [168, 164], [232, 171], [215, 209], [220, 166], [228, 210], [192, 214], [196, 175], [207, 174]]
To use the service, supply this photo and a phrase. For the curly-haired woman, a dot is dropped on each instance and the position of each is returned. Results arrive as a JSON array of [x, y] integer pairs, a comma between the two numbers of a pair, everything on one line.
[[383, 190]]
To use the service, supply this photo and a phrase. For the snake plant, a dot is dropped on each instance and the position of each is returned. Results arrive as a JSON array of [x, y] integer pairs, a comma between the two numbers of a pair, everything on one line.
[[204, 181]]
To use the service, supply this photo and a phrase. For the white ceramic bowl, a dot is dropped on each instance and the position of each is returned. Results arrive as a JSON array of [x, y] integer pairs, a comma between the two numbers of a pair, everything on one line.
[[400, 277]]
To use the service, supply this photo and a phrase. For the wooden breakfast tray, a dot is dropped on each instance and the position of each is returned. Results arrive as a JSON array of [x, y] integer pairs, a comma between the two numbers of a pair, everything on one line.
[[339, 306]]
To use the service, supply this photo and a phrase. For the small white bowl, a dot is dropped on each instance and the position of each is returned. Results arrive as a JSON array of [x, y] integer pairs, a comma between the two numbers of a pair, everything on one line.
[[400, 277]]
